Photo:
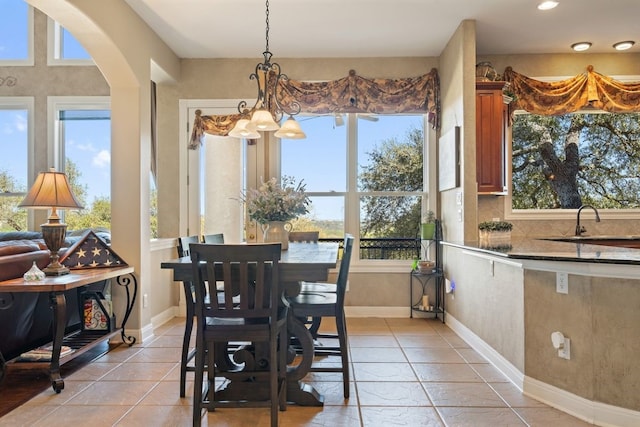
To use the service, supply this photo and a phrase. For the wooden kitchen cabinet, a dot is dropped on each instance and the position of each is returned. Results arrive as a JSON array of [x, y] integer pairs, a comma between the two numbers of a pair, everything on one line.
[[491, 132]]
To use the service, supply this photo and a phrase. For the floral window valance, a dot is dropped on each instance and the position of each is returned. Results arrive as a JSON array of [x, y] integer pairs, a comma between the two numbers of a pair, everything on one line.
[[591, 89], [351, 94]]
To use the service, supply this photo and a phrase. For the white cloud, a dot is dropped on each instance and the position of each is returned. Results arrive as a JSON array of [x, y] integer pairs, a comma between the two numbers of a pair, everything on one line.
[[20, 122], [102, 159]]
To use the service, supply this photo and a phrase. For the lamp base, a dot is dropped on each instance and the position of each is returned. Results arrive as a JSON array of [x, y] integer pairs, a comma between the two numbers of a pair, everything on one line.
[[54, 234]]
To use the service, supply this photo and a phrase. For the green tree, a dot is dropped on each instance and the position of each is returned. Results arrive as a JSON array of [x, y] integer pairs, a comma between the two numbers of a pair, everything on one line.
[[394, 166], [12, 218], [570, 160]]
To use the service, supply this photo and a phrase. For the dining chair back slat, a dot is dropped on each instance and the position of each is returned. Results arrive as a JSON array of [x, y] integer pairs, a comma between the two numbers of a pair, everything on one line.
[[304, 236]]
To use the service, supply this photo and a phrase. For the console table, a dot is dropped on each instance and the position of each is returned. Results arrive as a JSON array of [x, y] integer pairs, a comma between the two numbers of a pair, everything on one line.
[[79, 341]]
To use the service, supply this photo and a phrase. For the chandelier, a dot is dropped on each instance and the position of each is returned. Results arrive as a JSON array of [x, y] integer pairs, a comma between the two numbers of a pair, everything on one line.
[[268, 110]]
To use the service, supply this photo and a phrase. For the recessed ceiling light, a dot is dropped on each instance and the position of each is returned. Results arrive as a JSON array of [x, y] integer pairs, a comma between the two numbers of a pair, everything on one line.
[[624, 45], [580, 46], [546, 5]]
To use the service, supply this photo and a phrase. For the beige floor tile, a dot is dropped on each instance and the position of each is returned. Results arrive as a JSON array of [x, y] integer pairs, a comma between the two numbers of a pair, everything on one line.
[[159, 416], [423, 341], [391, 394], [471, 356], [93, 371], [479, 417], [373, 341], [445, 372], [139, 372], [94, 416], [330, 416], [167, 393], [463, 394], [120, 354], [26, 415], [49, 397], [167, 341], [151, 355], [373, 354], [433, 355], [543, 417], [455, 341], [514, 397], [489, 373], [373, 416], [389, 371], [333, 393], [113, 393]]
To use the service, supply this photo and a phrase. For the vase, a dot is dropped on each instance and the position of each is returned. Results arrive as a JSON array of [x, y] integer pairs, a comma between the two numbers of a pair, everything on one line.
[[428, 230], [277, 232]]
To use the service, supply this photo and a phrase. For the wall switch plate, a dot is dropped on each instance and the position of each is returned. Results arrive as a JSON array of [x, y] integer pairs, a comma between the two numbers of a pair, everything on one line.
[[145, 301], [459, 198], [562, 283]]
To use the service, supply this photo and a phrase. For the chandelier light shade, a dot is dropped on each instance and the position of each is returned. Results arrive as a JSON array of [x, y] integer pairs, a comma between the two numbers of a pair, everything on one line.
[[290, 130], [51, 190], [268, 110], [244, 129]]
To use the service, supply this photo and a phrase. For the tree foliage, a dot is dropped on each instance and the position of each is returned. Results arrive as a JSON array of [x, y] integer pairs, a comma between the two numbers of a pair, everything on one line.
[[12, 218], [570, 160], [393, 166]]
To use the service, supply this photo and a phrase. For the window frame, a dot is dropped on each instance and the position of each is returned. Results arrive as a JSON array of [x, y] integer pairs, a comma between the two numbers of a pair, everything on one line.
[[352, 194], [54, 47], [554, 214], [29, 61]]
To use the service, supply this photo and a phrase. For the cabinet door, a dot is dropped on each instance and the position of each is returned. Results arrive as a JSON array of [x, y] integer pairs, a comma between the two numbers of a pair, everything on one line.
[[490, 138]]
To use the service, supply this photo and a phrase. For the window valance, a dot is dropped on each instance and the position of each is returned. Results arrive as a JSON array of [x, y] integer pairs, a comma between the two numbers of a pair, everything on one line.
[[351, 94], [590, 89]]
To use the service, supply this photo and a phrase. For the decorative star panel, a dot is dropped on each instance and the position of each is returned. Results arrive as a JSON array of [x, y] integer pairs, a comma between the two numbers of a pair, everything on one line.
[[90, 251]]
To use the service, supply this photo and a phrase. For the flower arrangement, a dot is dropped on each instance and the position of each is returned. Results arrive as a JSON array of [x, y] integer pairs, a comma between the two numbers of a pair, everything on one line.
[[274, 201]]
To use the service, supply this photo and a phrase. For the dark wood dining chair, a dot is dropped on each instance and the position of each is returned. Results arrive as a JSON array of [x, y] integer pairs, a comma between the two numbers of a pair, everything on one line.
[[213, 238], [251, 310], [304, 236], [330, 304], [187, 353]]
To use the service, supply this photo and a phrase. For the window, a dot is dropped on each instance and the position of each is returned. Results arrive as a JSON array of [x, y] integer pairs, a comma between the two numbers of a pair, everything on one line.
[[16, 34], [63, 48], [364, 175], [82, 141], [16, 143], [563, 162]]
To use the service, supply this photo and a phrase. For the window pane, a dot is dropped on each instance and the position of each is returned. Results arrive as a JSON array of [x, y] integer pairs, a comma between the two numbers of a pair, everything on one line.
[[320, 159], [70, 47], [389, 227], [563, 162], [86, 135], [326, 214], [13, 168], [14, 27], [390, 153]]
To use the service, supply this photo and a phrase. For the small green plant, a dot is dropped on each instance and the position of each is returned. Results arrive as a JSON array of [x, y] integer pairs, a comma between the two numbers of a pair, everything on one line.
[[495, 226], [429, 217]]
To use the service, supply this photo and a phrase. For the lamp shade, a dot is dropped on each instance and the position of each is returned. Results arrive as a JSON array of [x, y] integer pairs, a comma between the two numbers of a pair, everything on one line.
[[263, 120], [290, 130], [244, 129], [50, 190]]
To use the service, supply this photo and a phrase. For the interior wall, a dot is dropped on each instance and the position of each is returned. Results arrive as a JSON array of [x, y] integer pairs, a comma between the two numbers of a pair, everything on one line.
[[457, 59]]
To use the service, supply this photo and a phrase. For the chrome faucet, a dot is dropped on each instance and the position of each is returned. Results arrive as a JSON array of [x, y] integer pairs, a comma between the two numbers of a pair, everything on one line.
[[580, 229]]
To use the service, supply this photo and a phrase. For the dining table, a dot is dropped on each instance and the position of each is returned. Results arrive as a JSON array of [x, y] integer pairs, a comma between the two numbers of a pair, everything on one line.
[[301, 262]]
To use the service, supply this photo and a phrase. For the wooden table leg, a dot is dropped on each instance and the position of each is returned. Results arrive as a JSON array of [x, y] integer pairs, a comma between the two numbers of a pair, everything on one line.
[[299, 392], [59, 307]]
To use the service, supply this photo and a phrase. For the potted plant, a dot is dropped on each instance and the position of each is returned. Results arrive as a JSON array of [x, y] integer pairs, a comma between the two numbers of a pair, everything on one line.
[[495, 234], [428, 226], [508, 95], [274, 204]]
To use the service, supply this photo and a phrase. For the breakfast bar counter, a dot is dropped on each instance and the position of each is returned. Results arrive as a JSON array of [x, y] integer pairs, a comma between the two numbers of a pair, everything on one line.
[[507, 302]]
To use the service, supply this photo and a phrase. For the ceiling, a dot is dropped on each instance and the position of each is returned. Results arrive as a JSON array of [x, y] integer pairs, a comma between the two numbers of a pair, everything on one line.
[[384, 28]]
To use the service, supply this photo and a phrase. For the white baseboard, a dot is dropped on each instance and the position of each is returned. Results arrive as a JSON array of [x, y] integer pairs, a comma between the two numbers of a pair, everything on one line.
[[590, 411]]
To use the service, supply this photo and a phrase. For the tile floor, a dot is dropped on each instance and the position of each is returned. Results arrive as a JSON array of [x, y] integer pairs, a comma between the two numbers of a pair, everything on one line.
[[406, 372]]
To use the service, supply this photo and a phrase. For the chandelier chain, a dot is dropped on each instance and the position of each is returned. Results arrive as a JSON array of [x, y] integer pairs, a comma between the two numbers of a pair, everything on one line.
[[267, 28]]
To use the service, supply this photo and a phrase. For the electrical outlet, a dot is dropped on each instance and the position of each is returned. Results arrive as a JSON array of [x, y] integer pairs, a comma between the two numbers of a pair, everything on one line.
[[565, 351], [145, 300], [562, 283]]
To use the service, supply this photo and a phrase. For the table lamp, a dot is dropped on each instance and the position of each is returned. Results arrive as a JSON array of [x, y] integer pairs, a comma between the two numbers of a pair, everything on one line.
[[51, 191]]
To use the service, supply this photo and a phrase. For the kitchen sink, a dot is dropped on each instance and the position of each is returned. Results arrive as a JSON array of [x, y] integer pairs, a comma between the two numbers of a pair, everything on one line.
[[626, 241]]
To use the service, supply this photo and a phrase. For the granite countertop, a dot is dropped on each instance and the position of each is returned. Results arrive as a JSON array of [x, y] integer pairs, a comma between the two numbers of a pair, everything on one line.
[[550, 250]]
